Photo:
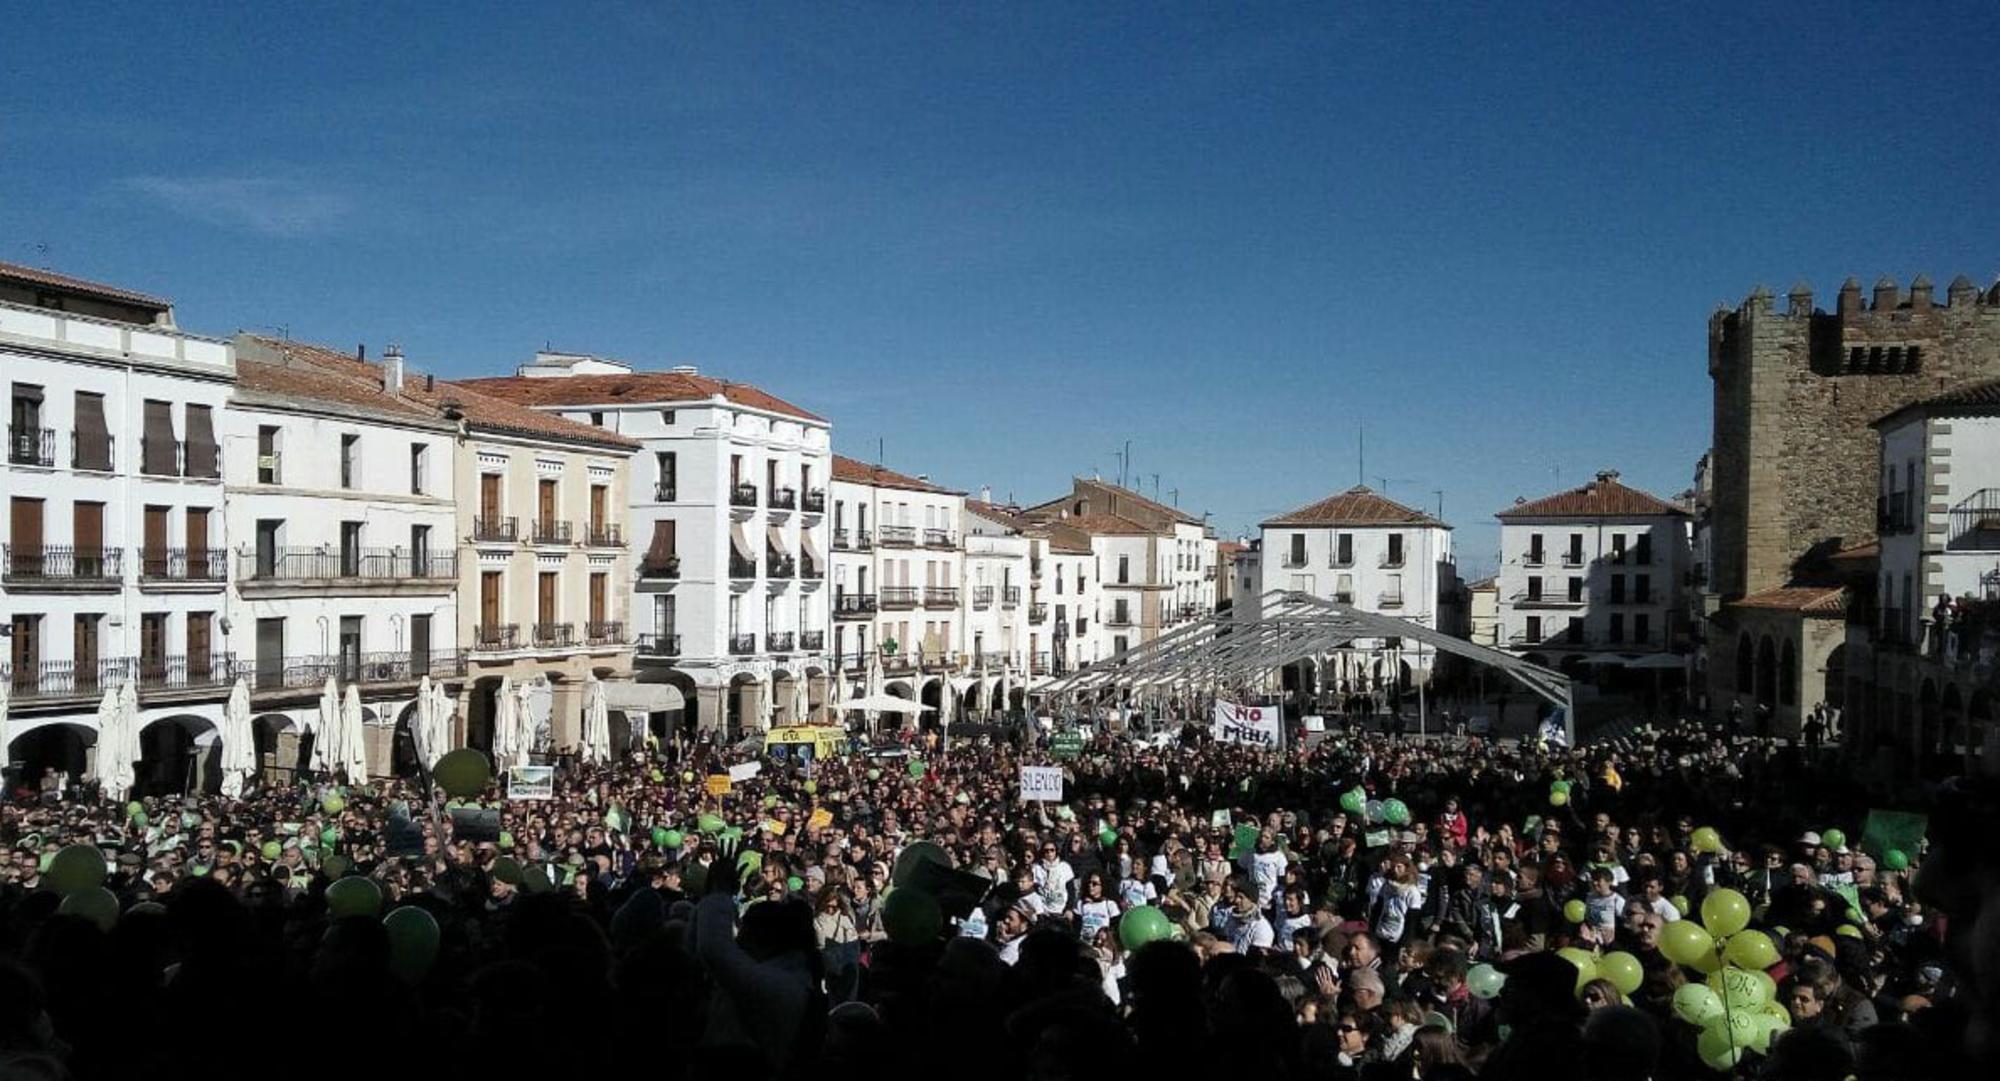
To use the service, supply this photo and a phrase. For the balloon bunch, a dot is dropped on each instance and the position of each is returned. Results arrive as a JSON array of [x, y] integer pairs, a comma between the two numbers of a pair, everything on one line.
[[1393, 811], [1736, 1007], [1621, 969]]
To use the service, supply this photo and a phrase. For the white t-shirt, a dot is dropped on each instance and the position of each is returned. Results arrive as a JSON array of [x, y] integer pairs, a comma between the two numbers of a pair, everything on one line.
[[1094, 916], [1136, 891], [1052, 881], [1269, 869], [1248, 932]]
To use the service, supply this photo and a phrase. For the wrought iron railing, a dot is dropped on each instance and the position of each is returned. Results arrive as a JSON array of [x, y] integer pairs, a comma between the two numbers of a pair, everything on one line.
[[812, 641], [62, 564], [850, 605], [899, 597], [863, 540], [665, 567], [31, 446], [496, 529], [1975, 522], [604, 535], [98, 457], [811, 569], [743, 495], [183, 565], [311, 672], [938, 538], [940, 596], [1038, 613], [784, 498], [1010, 597], [779, 565], [665, 493], [742, 644], [742, 568], [659, 645], [327, 564], [1389, 599], [982, 596], [779, 642], [814, 501], [496, 637], [553, 531], [604, 632], [555, 634], [842, 538], [896, 536]]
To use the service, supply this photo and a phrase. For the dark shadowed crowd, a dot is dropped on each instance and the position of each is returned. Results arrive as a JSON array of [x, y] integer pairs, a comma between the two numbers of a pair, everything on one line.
[[1365, 906]]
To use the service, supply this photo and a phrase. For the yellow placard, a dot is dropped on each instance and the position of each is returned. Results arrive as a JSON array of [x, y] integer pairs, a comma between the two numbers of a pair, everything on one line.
[[820, 819], [718, 784], [774, 827]]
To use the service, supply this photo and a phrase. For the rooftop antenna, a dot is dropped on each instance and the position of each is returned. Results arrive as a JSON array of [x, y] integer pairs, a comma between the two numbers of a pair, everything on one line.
[[1175, 495], [1361, 456], [878, 450], [1156, 486], [1439, 492]]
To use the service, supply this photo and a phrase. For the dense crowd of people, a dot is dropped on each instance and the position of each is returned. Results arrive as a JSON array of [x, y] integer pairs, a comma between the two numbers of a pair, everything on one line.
[[1362, 906]]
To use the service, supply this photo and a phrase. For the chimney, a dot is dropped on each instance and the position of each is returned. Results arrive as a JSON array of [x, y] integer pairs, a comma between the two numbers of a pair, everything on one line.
[[986, 493], [1606, 476], [392, 369]]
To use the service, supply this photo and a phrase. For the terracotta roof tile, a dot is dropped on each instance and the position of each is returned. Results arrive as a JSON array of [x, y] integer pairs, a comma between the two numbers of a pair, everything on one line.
[[1109, 525], [1059, 503], [1008, 516], [1806, 600], [859, 472], [1601, 498], [638, 387], [481, 411], [303, 381], [36, 276], [1358, 506]]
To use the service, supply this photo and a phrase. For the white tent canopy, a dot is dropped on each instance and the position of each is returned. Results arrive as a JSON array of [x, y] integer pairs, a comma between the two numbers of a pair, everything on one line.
[[644, 697], [884, 703]]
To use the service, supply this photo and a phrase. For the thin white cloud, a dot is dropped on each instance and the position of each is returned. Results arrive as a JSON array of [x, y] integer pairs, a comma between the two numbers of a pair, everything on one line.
[[264, 205]]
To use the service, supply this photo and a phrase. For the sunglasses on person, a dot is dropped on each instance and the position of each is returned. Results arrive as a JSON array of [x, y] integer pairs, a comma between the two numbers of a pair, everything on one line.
[[1346, 1027]]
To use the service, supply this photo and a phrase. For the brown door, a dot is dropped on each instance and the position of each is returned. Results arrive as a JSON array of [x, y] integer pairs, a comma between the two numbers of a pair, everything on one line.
[[545, 598], [597, 597], [25, 537], [489, 598], [155, 557], [84, 649], [489, 496], [87, 526], [598, 494], [545, 501], [420, 645], [152, 644], [197, 544], [198, 646], [27, 651]]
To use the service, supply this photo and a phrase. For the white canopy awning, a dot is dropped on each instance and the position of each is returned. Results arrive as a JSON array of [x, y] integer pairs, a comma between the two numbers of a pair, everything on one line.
[[811, 547], [775, 537], [644, 697], [740, 542], [884, 703]]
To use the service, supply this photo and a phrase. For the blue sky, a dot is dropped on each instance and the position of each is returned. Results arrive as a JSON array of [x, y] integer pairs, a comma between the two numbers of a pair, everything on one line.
[[1003, 239]]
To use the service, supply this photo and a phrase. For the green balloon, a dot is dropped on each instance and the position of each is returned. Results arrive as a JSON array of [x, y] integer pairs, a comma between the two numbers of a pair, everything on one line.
[[506, 841], [1697, 1004], [1585, 962], [770, 802], [1833, 839], [1623, 970], [1705, 839], [75, 869], [1353, 800], [812, 787], [710, 823], [46, 861], [1107, 837], [1484, 981], [1395, 812], [912, 918], [673, 839], [1750, 949], [1896, 859], [507, 869], [655, 776], [272, 850], [1716, 1046], [795, 883], [1143, 924], [874, 774], [139, 820], [413, 942], [134, 809], [750, 862], [913, 855], [96, 904], [1685, 942], [687, 776], [333, 803], [1740, 990], [462, 773], [1725, 912], [354, 895], [1574, 911], [659, 836]]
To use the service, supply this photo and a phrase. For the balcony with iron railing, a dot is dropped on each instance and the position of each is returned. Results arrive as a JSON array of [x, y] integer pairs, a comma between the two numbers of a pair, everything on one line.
[[1572, 559], [604, 535], [742, 570], [779, 564], [741, 645], [604, 632], [667, 566], [1038, 664], [940, 596], [62, 567], [896, 536], [743, 496], [814, 501], [939, 538], [812, 570], [496, 637], [329, 565], [853, 605], [502, 530], [784, 499], [195, 566], [1119, 617], [1038, 613], [310, 673], [982, 596], [898, 597], [779, 642], [812, 641], [659, 645], [664, 492], [842, 539], [1974, 523], [1529, 598], [864, 540], [555, 635], [93, 457], [552, 531], [90, 679], [31, 446]]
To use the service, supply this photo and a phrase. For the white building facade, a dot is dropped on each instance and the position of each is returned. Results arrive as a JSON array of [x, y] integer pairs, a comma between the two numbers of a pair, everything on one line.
[[341, 506], [1593, 570], [1361, 549], [731, 536], [115, 565], [898, 563]]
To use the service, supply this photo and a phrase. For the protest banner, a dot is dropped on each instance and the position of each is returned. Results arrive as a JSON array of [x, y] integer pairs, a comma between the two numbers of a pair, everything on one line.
[[531, 782], [717, 784], [1042, 784], [1255, 726]]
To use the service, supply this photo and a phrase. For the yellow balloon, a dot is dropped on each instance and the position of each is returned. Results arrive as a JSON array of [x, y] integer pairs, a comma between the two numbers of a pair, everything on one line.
[[1725, 912]]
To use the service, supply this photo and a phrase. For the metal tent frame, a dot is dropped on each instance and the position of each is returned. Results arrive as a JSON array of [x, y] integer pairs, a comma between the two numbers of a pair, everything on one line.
[[1220, 654]]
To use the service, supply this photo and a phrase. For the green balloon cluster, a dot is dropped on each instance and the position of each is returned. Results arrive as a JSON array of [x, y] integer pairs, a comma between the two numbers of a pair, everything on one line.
[[710, 823], [1395, 812], [1354, 800], [1585, 962]]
